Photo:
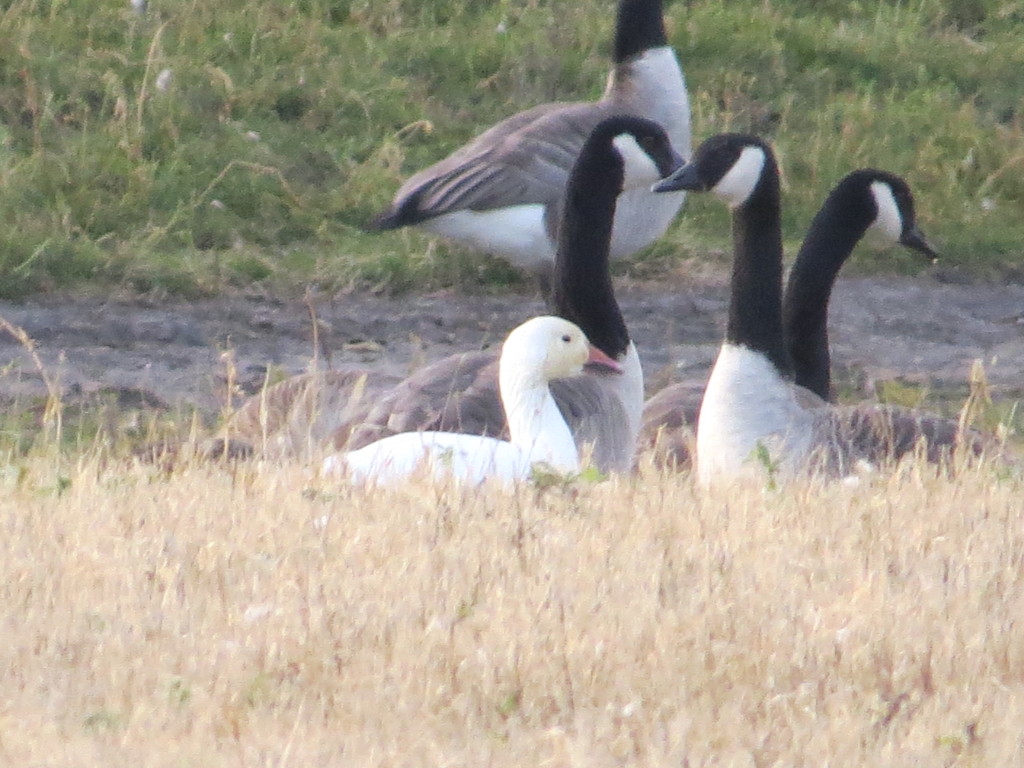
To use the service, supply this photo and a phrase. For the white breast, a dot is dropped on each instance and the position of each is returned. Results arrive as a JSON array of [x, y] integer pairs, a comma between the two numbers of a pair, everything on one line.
[[747, 403], [654, 87]]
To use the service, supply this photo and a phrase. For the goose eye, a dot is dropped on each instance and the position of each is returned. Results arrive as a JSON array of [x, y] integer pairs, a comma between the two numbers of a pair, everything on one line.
[[566, 338]]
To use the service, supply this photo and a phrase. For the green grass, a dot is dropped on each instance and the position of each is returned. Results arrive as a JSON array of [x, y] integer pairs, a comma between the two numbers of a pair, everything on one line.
[[284, 127]]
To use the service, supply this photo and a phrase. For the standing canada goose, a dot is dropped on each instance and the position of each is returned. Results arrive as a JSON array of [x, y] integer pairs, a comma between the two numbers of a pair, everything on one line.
[[500, 192], [866, 202], [751, 406], [460, 392], [536, 352]]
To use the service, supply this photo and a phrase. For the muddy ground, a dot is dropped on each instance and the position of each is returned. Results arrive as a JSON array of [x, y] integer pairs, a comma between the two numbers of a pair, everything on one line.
[[176, 354]]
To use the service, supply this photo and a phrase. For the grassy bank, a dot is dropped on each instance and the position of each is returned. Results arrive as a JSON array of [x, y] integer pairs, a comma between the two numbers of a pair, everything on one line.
[[198, 146]]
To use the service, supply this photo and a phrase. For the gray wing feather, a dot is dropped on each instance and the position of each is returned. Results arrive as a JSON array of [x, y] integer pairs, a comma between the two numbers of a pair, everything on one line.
[[297, 415], [524, 159], [598, 421], [884, 434], [430, 400]]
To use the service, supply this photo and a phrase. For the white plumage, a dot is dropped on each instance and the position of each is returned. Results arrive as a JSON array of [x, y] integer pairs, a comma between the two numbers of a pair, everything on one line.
[[536, 352], [748, 403]]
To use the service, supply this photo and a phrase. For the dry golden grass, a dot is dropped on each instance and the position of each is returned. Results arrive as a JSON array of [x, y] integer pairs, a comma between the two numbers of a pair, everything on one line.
[[257, 616]]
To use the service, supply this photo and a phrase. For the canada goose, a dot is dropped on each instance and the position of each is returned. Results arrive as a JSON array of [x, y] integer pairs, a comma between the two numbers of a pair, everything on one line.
[[864, 202], [500, 192], [460, 392], [534, 353], [751, 406]]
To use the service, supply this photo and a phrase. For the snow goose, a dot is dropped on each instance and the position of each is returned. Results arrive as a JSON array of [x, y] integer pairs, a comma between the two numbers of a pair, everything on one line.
[[536, 352], [753, 413], [460, 393], [499, 193], [866, 202]]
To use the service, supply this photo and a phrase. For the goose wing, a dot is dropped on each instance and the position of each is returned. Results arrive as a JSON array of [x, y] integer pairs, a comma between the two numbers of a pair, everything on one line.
[[595, 415], [883, 434], [439, 397], [597, 418], [524, 159]]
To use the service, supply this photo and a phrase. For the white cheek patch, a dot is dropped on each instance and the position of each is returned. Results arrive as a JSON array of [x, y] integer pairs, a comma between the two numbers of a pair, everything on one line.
[[887, 227], [738, 184], [639, 170]]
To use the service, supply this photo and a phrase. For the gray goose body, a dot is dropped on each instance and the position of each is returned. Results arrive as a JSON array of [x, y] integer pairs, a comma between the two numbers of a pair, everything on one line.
[[500, 192]]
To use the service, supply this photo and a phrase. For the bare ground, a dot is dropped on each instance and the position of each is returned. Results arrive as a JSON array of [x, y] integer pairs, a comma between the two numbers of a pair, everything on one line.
[[177, 354]]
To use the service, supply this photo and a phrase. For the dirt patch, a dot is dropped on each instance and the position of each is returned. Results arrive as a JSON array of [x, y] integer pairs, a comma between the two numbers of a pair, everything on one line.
[[177, 353]]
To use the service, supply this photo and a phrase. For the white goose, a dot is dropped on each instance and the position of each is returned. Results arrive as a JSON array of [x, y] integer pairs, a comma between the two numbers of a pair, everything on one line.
[[499, 193], [752, 412], [460, 393], [536, 352]]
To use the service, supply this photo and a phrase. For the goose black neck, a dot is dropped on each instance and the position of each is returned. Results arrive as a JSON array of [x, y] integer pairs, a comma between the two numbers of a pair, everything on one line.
[[755, 307], [833, 234], [639, 26], [581, 283]]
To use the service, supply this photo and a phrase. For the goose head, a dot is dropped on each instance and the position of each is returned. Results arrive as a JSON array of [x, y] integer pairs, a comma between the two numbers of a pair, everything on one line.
[[891, 210], [642, 150], [553, 347], [866, 204], [731, 165]]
